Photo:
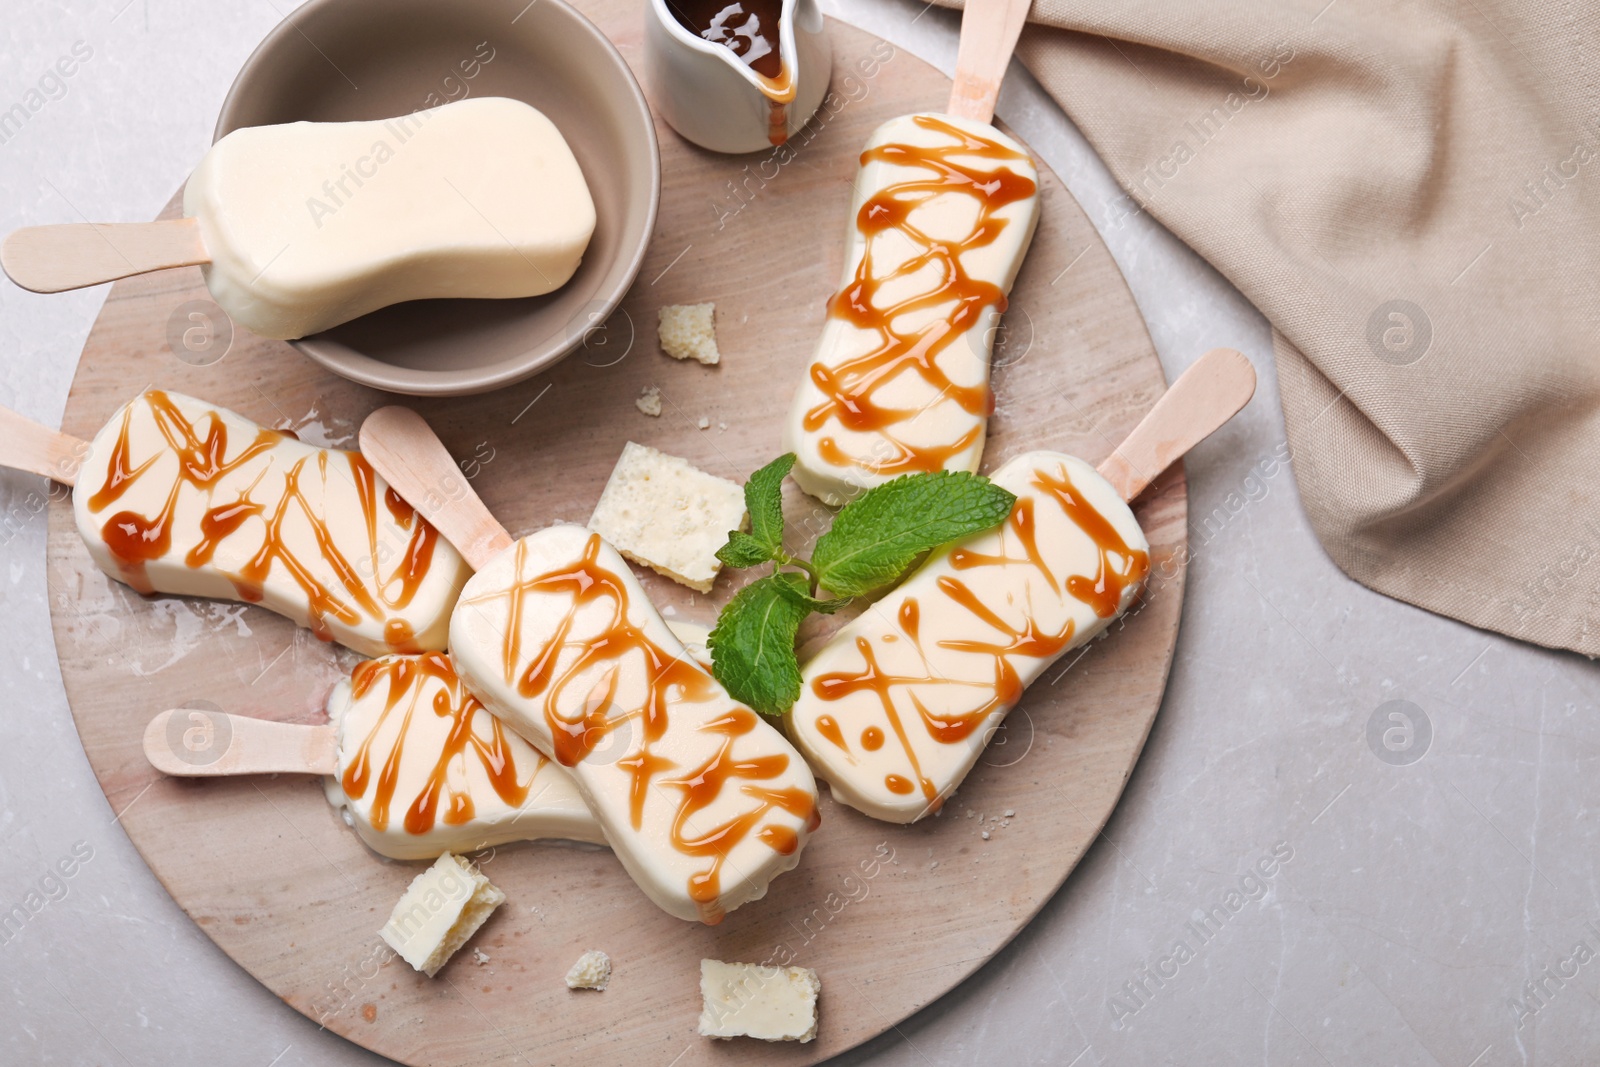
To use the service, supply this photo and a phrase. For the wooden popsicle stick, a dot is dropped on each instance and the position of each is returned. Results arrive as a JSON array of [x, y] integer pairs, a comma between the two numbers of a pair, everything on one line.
[[197, 743], [1205, 396], [989, 31], [403, 448], [53, 259], [27, 446]]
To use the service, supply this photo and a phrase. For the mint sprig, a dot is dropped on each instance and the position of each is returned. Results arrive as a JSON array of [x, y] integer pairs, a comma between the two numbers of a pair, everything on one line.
[[752, 645], [763, 499], [874, 540], [878, 535], [744, 550]]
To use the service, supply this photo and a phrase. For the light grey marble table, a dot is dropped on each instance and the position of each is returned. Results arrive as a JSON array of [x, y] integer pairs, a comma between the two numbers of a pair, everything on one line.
[[1432, 895]]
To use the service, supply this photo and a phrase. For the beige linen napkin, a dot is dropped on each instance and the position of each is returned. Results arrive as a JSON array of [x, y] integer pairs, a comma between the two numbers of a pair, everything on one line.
[[1409, 193]]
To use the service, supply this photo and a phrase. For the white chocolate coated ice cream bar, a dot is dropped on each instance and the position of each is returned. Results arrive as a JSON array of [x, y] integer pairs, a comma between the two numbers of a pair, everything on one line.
[[309, 224], [702, 801], [897, 707], [944, 212], [178, 496], [424, 768]]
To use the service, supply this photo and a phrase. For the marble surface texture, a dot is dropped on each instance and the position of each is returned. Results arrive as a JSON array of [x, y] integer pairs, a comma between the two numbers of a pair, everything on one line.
[[1433, 888]]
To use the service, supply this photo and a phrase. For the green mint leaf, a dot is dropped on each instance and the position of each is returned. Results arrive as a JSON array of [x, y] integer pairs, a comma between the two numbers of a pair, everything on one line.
[[752, 645], [878, 535], [796, 591], [763, 498], [743, 550]]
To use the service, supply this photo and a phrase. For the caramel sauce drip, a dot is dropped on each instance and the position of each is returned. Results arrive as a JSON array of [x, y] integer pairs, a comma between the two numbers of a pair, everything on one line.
[[840, 684], [546, 677], [777, 121], [1025, 525], [135, 540], [828, 727], [360, 588], [704, 785], [1102, 593], [849, 389], [406, 677]]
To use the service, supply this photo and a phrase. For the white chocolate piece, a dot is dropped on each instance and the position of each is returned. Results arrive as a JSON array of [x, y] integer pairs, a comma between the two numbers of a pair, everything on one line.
[[439, 912], [664, 513], [901, 383], [310, 224], [688, 331], [179, 496], [695, 638], [702, 801], [748, 1000], [424, 768], [897, 707], [592, 971]]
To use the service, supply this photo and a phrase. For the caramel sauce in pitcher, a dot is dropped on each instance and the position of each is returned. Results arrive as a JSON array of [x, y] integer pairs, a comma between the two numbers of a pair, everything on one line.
[[360, 588], [750, 30], [747, 28], [1102, 592], [546, 677], [850, 389]]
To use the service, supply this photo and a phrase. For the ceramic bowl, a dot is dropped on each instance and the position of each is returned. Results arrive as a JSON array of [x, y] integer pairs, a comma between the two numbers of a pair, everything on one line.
[[339, 60]]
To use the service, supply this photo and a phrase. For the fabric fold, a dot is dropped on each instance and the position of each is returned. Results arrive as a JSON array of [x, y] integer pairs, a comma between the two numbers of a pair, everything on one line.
[[1410, 195]]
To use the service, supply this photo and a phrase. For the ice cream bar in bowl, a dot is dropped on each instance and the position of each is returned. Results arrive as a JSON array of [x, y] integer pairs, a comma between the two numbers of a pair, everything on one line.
[[419, 767], [895, 709], [175, 495], [702, 800], [301, 226]]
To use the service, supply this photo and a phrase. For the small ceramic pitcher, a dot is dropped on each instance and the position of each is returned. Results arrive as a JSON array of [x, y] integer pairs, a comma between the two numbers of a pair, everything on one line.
[[711, 96]]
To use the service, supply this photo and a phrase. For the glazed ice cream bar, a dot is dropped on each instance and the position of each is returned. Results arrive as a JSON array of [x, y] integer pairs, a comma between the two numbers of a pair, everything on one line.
[[702, 801], [310, 224], [423, 768], [944, 211], [896, 708], [178, 496], [418, 766]]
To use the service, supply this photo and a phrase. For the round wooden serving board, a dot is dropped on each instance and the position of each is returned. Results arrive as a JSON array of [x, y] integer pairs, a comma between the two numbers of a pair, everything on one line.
[[890, 917]]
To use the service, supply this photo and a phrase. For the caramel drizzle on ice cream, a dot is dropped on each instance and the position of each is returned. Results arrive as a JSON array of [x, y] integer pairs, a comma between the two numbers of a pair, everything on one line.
[[1118, 568], [408, 679], [850, 388], [580, 721], [362, 585]]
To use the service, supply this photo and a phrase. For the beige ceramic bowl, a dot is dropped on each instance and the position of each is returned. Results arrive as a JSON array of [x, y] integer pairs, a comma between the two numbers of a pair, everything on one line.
[[338, 60]]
